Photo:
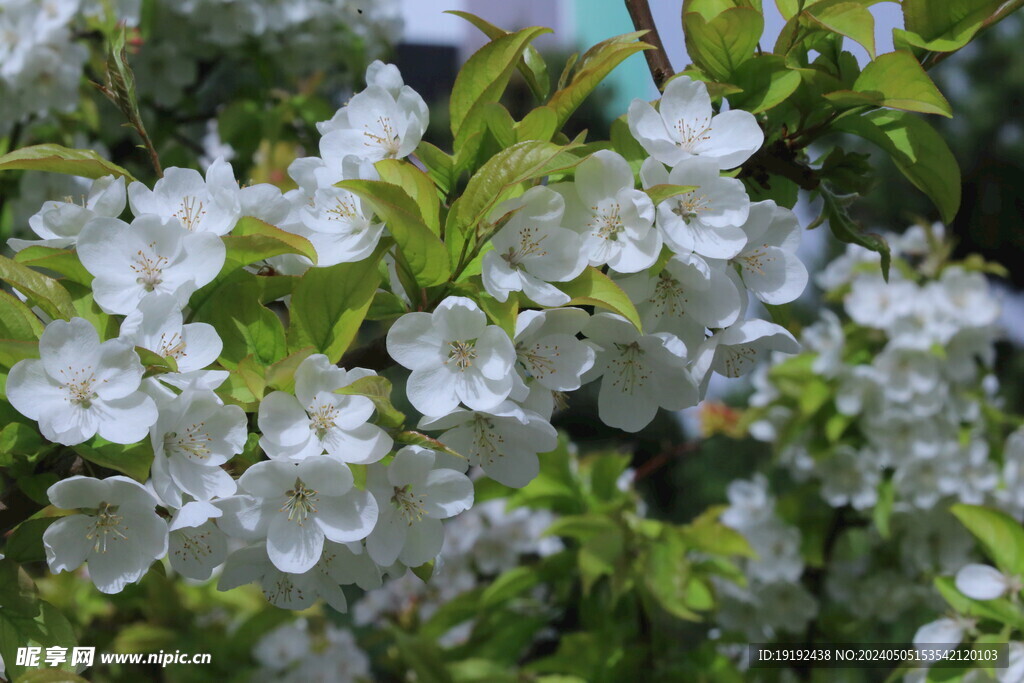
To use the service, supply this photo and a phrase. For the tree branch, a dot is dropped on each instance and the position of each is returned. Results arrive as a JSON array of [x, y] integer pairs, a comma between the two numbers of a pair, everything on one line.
[[657, 59], [1008, 8]]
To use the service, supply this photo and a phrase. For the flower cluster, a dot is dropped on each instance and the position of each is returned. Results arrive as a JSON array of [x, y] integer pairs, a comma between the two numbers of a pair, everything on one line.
[[342, 496], [42, 52], [299, 651], [895, 393]]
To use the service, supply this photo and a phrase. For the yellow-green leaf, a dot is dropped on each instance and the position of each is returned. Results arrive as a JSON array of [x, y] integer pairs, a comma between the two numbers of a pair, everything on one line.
[[40, 290], [58, 159], [594, 288], [897, 80]]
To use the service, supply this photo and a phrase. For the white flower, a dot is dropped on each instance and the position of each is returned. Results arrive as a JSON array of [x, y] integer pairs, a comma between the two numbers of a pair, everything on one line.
[[158, 325], [340, 225], [984, 582], [965, 297], [79, 387], [750, 504], [547, 350], [825, 337], [117, 530], [337, 565], [454, 356], [639, 372], [532, 249], [685, 126], [58, 223], [875, 303], [688, 296], [150, 255], [734, 351], [946, 631], [768, 262], [907, 373], [195, 434], [706, 220], [375, 125], [317, 420], [413, 496], [198, 205], [504, 441], [615, 219], [197, 546], [295, 506], [849, 477]]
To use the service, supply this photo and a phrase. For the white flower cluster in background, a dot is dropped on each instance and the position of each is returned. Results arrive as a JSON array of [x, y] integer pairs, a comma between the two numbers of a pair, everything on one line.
[[909, 364], [299, 522], [773, 602], [299, 652], [43, 53]]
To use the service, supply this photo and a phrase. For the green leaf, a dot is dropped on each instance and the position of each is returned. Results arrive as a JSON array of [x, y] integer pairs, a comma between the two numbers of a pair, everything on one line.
[[659, 193], [386, 306], [57, 159], [17, 321], [591, 69], [896, 80], [419, 186], [1001, 610], [508, 585], [12, 351], [946, 25], [1001, 536], [594, 288], [17, 438], [531, 65], [493, 183], [254, 240], [329, 305], [540, 124], [720, 45], [766, 82], [53, 675], [919, 152], [581, 526], [153, 361], [41, 291], [26, 621], [488, 129], [63, 261], [378, 390], [440, 166], [25, 544], [485, 74], [666, 575], [424, 571], [245, 326], [422, 248], [707, 534], [133, 460], [883, 508], [851, 19], [847, 231]]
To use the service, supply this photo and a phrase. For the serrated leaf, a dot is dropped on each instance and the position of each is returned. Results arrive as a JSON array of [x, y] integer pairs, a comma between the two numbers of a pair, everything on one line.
[[918, 151], [531, 65], [720, 45], [508, 585], [946, 25], [40, 290], [418, 185], [329, 305], [851, 19], [133, 460], [590, 70], [17, 321], [594, 288], [13, 350], [765, 81], [84, 163], [423, 250], [848, 232], [897, 80], [659, 193], [63, 261], [245, 326], [254, 240], [440, 166], [1000, 535], [485, 74], [540, 124]]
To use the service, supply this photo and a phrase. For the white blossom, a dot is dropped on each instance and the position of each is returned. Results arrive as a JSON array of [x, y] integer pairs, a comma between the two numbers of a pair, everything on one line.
[[116, 531], [984, 582], [58, 223], [769, 264], [158, 325], [197, 546], [79, 387], [211, 205]]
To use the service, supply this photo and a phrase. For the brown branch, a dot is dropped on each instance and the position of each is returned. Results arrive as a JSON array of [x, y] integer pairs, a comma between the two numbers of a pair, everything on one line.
[[657, 59]]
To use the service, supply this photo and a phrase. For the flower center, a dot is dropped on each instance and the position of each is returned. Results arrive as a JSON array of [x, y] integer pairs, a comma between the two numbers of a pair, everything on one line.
[[78, 383], [537, 360], [194, 441], [463, 353], [322, 418], [689, 205], [607, 223], [693, 132], [488, 441], [105, 525], [736, 358], [344, 209], [529, 245], [301, 502], [628, 370], [149, 269], [172, 345], [408, 504], [755, 261], [668, 297], [388, 137], [191, 211]]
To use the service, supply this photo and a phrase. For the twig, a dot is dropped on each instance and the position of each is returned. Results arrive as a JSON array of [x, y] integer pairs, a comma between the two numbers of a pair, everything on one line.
[[657, 59]]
